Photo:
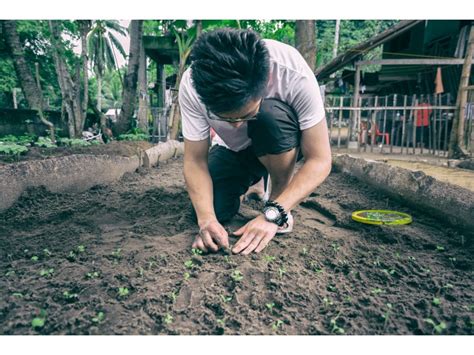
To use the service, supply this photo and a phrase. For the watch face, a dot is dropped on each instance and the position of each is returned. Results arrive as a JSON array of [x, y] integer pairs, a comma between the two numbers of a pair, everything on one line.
[[272, 213]]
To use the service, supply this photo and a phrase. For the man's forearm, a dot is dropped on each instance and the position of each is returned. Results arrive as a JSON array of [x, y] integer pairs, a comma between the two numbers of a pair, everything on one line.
[[306, 180], [199, 186]]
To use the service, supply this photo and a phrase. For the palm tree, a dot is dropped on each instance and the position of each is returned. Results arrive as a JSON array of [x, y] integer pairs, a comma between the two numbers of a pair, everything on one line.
[[101, 42]]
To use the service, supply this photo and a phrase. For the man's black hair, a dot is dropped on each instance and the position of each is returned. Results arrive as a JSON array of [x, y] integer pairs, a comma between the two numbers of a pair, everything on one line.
[[230, 67]]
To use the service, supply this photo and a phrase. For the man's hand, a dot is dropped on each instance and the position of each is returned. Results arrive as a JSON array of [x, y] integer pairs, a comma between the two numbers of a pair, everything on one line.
[[256, 234], [212, 236]]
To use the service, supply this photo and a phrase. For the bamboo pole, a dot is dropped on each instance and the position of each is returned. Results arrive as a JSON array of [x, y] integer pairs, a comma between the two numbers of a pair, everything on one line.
[[404, 121], [384, 125], [341, 103], [373, 122], [392, 130]]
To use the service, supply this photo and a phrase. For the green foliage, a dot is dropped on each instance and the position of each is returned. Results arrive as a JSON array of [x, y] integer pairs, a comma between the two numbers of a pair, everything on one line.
[[133, 137], [438, 328], [45, 142], [99, 318], [73, 142], [12, 148], [47, 272], [39, 321], [237, 276], [123, 292]]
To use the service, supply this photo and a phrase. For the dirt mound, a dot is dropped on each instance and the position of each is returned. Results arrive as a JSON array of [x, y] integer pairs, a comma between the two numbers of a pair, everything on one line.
[[120, 148], [117, 259]]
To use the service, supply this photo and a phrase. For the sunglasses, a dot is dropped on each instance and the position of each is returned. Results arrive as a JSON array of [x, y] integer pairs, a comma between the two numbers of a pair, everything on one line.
[[232, 120]]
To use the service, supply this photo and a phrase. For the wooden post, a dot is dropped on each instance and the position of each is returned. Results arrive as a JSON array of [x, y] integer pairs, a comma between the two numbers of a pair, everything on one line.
[[355, 114], [404, 121], [445, 145], [373, 122], [456, 142], [414, 111], [384, 124], [341, 102], [392, 130]]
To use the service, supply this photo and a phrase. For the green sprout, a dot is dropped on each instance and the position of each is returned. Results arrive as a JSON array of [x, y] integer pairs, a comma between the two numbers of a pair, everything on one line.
[[335, 247], [186, 276], [376, 291], [436, 301], [411, 258], [38, 322], [34, 258], [386, 315], [173, 296], [316, 268], [92, 275], [270, 306], [99, 318], [439, 248], [226, 299], [81, 248], [269, 258], [47, 252], [438, 328], [17, 294], [10, 273], [237, 275], [46, 272], [221, 322], [123, 292], [390, 272], [196, 251], [70, 297], [304, 251], [327, 302], [141, 271], [335, 328], [168, 319], [189, 264], [281, 271], [276, 325], [117, 254], [71, 256]]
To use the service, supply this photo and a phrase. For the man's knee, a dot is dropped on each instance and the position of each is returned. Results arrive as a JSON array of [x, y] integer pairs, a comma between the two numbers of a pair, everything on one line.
[[276, 129], [224, 209]]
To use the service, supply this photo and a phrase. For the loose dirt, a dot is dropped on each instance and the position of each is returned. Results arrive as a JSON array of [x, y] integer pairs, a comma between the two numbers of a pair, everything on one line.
[[330, 276]]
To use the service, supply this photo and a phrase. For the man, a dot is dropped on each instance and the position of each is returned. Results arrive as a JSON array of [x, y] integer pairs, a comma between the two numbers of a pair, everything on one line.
[[264, 103]]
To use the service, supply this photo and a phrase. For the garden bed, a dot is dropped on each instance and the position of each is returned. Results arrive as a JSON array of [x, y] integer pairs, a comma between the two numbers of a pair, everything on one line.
[[117, 259]]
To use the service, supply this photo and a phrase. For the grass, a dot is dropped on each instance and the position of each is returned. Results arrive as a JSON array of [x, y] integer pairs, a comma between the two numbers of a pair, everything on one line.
[[437, 328]]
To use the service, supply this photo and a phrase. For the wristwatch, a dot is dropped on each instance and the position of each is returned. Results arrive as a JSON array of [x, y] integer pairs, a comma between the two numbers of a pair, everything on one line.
[[275, 213]]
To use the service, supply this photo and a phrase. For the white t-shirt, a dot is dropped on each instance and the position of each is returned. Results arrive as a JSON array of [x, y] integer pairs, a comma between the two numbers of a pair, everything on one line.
[[291, 81]]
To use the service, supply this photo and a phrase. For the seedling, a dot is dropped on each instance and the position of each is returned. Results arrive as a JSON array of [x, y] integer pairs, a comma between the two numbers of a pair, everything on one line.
[[377, 262], [47, 252], [38, 322], [226, 299], [173, 296], [270, 306], [141, 271], [10, 273], [47, 272], [196, 251], [99, 318], [123, 292], [117, 254], [276, 325], [17, 294], [411, 258], [335, 247], [436, 301], [237, 276], [70, 297], [439, 248], [221, 322], [92, 275], [269, 258], [348, 299], [281, 271], [376, 291], [81, 248], [327, 302], [453, 260], [34, 258], [316, 268], [389, 272], [386, 315], [71, 256], [168, 319], [227, 259], [186, 276], [335, 328], [304, 252], [438, 328], [189, 264], [447, 286]]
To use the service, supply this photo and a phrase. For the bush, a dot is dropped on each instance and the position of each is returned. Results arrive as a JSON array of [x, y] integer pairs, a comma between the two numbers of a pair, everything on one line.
[[9, 148]]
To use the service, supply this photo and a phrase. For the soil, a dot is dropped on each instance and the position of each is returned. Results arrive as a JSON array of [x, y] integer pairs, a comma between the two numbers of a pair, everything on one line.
[[331, 275], [121, 148]]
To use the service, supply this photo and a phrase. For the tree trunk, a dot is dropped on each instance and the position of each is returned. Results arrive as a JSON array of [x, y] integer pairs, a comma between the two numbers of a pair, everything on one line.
[[129, 95], [25, 76], [456, 141], [305, 40], [142, 91], [99, 93], [75, 104]]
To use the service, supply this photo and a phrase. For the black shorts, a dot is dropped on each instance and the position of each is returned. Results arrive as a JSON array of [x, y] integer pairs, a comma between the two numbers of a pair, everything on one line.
[[275, 131]]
